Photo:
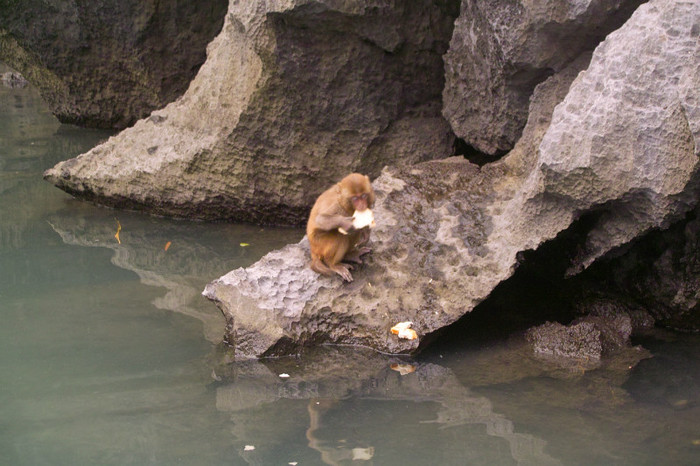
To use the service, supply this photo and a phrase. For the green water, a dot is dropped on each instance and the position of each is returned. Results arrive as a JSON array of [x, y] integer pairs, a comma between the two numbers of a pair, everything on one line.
[[109, 355]]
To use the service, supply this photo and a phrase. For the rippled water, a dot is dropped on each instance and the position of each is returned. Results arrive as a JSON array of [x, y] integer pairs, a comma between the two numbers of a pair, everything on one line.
[[109, 355]]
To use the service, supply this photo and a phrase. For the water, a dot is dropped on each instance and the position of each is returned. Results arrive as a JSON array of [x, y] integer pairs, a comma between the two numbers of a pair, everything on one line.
[[109, 355]]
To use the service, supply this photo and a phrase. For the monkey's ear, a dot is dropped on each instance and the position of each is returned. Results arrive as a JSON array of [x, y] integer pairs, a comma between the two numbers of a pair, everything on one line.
[[367, 178]]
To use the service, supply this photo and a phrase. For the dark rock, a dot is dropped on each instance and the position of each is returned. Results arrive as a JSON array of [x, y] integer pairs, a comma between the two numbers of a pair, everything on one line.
[[107, 63], [292, 97], [501, 49]]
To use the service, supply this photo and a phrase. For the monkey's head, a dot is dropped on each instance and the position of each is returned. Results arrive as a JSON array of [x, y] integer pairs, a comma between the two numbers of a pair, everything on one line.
[[356, 193]]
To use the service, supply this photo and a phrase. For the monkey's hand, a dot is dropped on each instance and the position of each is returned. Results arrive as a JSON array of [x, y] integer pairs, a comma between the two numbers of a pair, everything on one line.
[[347, 225]]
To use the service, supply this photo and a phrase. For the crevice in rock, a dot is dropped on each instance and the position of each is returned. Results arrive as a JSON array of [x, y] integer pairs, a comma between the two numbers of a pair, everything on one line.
[[474, 155], [537, 292]]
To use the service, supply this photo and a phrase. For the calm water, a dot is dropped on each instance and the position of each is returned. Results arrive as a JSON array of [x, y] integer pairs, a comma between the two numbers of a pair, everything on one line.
[[109, 355]]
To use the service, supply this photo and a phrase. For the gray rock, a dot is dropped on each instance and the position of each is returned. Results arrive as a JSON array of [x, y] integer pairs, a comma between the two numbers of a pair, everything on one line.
[[107, 63], [589, 338], [293, 96], [501, 49], [13, 79], [623, 140], [435, 257]]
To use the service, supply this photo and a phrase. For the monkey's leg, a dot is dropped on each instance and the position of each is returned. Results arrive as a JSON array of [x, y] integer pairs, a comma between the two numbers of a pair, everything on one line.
[[355, 255], [335, 255]]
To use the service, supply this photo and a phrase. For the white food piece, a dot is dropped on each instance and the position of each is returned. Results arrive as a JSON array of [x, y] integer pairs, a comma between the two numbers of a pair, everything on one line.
[[401, 326], [361, 220], [408, 334]]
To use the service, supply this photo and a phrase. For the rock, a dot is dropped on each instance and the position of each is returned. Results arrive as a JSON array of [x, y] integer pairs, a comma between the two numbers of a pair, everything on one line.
[[293, 96], [448, 232], [107, 63], [588, 339], [13, 80], [624, 142], [431, 259], [501, 49], [661, 274]]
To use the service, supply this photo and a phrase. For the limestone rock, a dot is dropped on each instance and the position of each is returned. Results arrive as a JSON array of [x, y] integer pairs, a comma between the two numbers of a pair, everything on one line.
[[623, 141], [293, 96], [501, 49], [107, 63], [433, 259]]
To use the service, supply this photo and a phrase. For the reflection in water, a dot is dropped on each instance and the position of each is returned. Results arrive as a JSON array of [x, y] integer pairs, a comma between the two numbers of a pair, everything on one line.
[[357, 407], [181, 257], [103, 357]]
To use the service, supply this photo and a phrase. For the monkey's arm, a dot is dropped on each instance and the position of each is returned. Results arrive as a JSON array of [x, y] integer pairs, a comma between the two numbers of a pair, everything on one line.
[[330, 222]]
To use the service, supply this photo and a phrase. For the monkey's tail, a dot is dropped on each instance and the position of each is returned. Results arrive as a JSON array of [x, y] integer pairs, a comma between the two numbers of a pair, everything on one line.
[[318, 266]]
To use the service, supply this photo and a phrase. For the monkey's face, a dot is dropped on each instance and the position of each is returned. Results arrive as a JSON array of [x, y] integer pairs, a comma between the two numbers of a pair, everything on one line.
[[360, 202]]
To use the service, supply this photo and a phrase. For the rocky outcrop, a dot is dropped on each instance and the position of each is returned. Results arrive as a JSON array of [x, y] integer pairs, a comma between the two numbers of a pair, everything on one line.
[[107, 63], [586, 339], [501, 50], [622, 143], [293, 96]]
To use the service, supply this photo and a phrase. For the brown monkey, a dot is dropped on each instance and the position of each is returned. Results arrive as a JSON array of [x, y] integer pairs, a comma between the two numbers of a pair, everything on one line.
[[334, 209]]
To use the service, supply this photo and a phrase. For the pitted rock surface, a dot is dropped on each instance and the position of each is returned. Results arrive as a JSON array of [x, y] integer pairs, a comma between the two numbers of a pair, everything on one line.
[[448, 232]]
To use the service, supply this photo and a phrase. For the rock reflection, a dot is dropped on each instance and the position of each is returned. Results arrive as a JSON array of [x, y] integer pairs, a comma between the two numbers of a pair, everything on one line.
[[351, 406], [196, 253]]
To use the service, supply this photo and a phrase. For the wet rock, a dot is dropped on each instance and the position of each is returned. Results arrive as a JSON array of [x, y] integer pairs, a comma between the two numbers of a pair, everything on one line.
[[588, 338], [13, 80], [107, 63], [293, 96], [501, 50], [621, 143]]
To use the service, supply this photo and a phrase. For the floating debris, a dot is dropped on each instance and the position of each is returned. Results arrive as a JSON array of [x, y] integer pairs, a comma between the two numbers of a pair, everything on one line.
[[403, 369], [119, 228]]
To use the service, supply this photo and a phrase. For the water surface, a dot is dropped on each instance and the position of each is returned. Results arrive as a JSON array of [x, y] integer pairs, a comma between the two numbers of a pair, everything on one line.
[[109, 355]]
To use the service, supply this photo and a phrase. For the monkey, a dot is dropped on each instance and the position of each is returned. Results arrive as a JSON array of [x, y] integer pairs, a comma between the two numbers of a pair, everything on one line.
[[332, 211]]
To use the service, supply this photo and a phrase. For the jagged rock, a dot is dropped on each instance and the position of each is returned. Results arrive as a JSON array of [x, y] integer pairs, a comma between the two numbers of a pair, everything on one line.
[[588, 338], [501, 49], [107, 63], [625, 141], [293, 95], [431, 261], [661, 274], [448, 232], [13, 79]]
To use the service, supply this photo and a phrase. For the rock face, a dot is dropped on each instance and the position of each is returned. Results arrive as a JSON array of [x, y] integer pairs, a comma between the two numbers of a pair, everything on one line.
[[107, 63], [293, 96], [501, 49], [623, 142]]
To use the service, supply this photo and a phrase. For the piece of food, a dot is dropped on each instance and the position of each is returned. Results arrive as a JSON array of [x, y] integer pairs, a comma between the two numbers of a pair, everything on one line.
[[361, 220], [404, 330]]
